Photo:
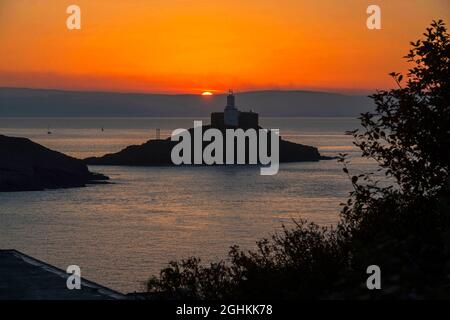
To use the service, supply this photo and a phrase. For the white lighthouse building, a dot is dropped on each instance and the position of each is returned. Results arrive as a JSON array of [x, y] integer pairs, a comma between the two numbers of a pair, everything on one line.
[[231, 114], [231, 117]]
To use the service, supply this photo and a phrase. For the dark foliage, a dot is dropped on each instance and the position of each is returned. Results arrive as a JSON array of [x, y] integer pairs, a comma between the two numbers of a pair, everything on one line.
[[403, 227]]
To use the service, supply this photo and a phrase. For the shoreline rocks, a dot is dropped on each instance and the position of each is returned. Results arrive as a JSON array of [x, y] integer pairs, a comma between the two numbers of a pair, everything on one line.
[[28, 166]]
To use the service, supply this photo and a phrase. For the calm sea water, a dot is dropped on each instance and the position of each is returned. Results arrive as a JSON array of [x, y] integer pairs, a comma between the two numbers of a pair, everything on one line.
[[122, 233]]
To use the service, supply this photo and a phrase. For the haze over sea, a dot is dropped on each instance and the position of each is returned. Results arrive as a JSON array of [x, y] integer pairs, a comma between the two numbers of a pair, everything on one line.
[[122, 233]]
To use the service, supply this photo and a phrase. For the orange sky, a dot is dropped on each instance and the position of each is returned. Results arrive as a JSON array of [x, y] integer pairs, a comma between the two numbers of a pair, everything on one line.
[[195, 45]]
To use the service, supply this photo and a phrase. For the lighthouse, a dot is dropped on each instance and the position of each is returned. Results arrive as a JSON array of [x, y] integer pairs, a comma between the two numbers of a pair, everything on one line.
[[231, 117], [231, 114]]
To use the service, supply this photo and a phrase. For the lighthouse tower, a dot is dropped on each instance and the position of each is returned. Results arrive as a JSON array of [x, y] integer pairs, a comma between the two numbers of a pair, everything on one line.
[[233, 118], [231, 114]]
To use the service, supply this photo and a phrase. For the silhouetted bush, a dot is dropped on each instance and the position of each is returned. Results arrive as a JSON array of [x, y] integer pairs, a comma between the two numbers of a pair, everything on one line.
[[403, 227]]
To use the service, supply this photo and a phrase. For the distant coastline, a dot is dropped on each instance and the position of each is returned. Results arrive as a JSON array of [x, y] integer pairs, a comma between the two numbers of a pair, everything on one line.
[[22, 102]]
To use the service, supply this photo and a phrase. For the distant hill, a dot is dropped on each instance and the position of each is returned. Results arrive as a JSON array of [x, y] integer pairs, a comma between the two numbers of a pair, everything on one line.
[[16, 102]]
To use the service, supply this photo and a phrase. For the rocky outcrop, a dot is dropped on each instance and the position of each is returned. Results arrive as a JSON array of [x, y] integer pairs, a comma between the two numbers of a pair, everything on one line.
[[27, 166], [158, 153]]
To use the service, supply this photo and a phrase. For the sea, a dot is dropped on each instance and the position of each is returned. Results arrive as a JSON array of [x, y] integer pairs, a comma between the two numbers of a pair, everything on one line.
[[122, 233]]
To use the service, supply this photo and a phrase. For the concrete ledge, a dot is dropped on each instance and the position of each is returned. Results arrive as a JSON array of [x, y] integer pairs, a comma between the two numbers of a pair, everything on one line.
[[25, 278]]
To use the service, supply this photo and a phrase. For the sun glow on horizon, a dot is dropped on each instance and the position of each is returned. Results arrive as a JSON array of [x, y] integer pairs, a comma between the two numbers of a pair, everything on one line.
[[182, 47]]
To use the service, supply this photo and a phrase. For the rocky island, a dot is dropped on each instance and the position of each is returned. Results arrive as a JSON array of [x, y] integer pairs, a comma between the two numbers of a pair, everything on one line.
[[28, 166], [158, 152]]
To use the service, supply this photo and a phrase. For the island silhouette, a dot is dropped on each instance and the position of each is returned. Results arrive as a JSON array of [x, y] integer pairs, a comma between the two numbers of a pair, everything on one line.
[[157, 152]]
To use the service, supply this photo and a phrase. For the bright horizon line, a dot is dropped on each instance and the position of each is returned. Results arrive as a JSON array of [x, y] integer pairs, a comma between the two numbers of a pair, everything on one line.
[[345, 92]]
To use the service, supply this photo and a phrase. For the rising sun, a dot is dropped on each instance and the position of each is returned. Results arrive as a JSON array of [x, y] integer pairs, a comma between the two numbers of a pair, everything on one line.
[[207, 93]]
